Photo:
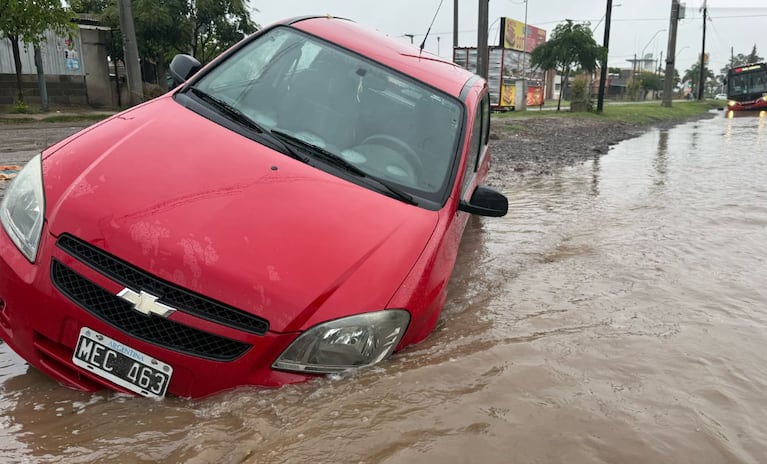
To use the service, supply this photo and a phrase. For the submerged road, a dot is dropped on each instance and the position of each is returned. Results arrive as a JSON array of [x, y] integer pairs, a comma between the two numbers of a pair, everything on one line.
[[617, 314]]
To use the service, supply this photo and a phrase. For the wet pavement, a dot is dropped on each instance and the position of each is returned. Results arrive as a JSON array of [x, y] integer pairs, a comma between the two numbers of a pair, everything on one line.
[[617, 314]]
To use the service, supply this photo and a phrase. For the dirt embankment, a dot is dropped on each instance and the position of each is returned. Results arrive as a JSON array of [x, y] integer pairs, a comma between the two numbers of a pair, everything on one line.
[[536, 146]]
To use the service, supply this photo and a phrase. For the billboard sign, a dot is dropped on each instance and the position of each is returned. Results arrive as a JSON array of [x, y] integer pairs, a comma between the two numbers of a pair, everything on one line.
[[513, 35]]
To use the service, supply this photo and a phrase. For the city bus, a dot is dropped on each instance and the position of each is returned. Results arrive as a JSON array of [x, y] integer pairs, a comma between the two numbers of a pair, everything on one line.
[[747, 87]]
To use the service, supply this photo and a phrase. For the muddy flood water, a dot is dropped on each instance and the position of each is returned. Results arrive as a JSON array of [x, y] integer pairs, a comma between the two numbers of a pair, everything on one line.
[[618, 314]]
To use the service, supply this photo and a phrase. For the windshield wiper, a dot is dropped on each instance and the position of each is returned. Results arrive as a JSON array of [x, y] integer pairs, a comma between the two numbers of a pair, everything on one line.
[[240, 117], [229, 111], [342, 163]]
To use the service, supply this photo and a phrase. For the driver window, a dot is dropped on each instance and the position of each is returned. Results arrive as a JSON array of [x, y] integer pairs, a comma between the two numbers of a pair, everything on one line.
[[479, 137]]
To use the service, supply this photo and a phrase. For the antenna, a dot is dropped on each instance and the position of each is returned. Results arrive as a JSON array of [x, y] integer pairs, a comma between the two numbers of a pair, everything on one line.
[[430, 25]]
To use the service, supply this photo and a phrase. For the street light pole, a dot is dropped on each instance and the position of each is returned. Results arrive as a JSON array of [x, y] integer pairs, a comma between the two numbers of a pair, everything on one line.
[[524, 48], [641, 57], [606, 45]]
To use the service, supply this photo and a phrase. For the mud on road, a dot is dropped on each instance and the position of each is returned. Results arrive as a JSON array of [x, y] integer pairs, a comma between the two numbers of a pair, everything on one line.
[[520, 146], [21, 141]]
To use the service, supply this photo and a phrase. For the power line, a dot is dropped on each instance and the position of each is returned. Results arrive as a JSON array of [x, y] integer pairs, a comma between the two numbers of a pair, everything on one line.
[[543, 23]]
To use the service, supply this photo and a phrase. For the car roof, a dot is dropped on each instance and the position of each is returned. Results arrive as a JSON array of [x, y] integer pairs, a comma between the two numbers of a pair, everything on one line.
[[397, 54]]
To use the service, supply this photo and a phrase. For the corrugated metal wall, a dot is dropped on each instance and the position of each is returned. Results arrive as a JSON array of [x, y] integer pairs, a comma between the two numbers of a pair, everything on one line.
[[60, 56]]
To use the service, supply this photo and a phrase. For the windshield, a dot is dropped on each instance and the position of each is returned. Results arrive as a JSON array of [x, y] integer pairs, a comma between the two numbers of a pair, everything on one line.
[[747, 83], [389, 126]]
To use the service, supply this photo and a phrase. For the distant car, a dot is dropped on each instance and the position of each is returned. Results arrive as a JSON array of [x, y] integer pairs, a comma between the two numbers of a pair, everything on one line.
[[720, 96], [292, 209]]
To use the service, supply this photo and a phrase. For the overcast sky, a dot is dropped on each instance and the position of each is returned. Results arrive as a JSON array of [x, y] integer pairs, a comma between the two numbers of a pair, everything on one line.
[[637, 25]]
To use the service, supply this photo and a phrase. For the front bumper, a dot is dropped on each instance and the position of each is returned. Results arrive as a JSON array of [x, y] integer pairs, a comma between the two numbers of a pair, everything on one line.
[[42, 324], [760, 104]]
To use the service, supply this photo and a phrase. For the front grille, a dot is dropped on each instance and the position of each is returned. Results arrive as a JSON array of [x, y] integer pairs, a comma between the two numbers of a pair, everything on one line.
[[172, 295], [153, 329]]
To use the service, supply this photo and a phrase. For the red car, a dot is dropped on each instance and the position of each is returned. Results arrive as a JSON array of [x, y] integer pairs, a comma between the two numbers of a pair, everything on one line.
[[293, 208]]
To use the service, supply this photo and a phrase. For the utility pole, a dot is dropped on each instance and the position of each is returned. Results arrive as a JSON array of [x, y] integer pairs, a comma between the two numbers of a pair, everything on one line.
[[410, 36], [634, 66], [701, 81], [658, 64], [455, 24], [483, 55], [606, 45], [668, 83], [131, 53]]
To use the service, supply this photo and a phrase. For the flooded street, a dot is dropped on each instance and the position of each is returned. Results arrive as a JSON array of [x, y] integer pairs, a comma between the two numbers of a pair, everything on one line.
[[617, 314]]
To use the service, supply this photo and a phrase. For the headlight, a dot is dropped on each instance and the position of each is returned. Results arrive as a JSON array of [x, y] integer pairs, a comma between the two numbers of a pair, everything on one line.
[[22, 209], [731, 102], [347, 343]]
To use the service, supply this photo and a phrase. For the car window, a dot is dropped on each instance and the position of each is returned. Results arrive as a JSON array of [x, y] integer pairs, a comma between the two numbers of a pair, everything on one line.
[[385, 123], [235, 72], [479, 139]]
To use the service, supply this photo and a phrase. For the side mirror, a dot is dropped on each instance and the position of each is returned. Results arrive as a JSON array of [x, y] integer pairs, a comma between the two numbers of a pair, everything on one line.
[[182, 68], [485, 201]]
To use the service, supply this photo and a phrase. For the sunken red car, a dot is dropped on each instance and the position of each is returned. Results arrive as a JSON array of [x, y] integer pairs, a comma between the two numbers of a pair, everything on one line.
[[294, 208]]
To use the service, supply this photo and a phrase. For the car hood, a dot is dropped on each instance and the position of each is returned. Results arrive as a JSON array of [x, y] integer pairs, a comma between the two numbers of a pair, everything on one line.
[[212, 211]]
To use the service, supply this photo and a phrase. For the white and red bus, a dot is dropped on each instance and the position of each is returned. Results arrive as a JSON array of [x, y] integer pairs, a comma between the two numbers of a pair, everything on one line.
[[747, 87]]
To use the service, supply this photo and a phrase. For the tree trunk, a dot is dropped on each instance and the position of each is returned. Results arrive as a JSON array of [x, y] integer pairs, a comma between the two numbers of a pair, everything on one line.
[[162, 69], [17, 62], [41, 78], [563, 86]]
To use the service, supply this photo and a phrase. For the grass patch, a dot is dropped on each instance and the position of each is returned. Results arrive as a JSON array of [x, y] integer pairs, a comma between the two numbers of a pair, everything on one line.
[[515, 128], [639, 113], [76, 117], [55, 118]]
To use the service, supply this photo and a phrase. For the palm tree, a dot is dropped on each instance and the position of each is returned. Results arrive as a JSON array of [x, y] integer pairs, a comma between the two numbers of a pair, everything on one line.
[[693, 75]]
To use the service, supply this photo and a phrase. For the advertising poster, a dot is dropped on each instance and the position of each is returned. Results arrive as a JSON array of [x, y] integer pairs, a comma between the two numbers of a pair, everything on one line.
[[513, 35], [535, 96], [508, 95]]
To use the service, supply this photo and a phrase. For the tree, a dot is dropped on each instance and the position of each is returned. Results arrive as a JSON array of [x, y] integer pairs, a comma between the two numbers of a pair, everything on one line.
[[753, 57], [217, 25], [203, 28], [741, 59], [158, 32], [570, 45], [26, 21], [693, 75], [649, 81]]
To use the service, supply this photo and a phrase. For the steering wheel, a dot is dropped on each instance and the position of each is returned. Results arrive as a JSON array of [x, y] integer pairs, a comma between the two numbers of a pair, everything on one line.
[[409, 155]]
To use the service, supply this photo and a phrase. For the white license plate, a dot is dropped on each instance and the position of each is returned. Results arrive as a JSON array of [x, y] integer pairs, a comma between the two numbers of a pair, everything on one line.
[[121, 364]]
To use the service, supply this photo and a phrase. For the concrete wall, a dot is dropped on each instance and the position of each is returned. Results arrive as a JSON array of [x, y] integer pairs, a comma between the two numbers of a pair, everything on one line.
[[96, 67], [61, 55], [62, 89], [76, 70]]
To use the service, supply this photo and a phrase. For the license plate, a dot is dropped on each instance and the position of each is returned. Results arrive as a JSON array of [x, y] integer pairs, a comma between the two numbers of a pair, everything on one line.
[[121, 364]]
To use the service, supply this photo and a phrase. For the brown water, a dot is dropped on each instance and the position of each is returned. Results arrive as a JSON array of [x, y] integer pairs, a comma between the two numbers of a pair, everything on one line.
[[617, 314]]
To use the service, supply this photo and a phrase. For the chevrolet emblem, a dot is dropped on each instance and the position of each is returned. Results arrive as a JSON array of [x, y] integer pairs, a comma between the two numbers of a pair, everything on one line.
[[146, 303]]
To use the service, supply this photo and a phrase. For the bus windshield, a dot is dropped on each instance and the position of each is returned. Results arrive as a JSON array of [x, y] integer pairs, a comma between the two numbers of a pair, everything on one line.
[[748, 81]]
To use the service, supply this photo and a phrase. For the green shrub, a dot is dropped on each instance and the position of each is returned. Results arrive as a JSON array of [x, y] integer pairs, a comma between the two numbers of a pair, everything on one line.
[[20, 107], [579, 89]]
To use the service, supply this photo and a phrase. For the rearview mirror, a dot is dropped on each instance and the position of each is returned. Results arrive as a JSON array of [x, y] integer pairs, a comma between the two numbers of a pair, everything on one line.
[[182, 68], [485, 201]]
